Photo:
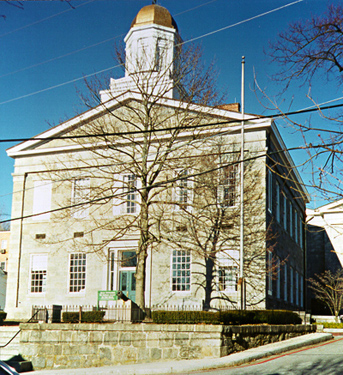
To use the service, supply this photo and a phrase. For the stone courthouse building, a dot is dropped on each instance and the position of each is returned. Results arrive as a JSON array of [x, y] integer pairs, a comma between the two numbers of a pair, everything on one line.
[[79, 190]]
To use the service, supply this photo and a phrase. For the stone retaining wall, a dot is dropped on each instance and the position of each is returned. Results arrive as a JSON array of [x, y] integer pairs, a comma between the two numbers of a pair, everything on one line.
[[86, 345]]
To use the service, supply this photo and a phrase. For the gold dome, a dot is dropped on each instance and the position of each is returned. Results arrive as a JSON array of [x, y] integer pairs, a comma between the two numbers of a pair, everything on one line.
[[154, 14]]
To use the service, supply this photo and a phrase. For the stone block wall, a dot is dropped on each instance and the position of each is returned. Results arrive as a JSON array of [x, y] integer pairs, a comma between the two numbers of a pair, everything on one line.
[[50, 346]]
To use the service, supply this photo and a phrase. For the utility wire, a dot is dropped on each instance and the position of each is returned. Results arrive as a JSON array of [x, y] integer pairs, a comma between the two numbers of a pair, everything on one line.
[[134, 132], [87, 47], [45, 19], [188, 41], [120, 195], [241, 22]]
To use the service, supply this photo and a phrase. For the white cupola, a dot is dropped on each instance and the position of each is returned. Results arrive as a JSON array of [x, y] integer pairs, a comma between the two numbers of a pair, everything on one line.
[[150, 54]]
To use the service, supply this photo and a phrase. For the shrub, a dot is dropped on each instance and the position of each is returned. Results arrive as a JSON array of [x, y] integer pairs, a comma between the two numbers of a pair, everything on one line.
[[86, 317], [331, 325], [3, 315], [234, 317]]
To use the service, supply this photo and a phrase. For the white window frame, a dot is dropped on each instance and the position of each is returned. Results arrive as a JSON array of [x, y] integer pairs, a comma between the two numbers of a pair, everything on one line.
[[227, 271], [178, 196], [80, 185], [4, 244], [228, 184], [176, 286], [130, 190], [270, 191], [81, 275], [38, 273], [123, 197]]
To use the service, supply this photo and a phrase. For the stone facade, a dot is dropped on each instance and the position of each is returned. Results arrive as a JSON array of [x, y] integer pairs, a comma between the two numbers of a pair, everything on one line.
[[51, 346], [69, 245]]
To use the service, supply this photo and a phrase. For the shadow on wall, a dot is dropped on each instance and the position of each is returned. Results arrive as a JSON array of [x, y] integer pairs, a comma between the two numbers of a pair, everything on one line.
[[321, 256]]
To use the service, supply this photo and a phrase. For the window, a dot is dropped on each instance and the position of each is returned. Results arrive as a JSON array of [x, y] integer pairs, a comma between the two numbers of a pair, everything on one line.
[[130, 189], [301, 232], [126, 194], [3, 244], [183, 191], [3, 266], [181, 270], [228, 185], [227, 278], [278, 279], [292, 284], [270, 273], [270, 190], [284, 212], [278, 213], [81, 192], [38, 273], [128, 259], [301, 291], [290, 219], [296, 288], [41, 200], [77, 273], [296, 226], [285, 284]]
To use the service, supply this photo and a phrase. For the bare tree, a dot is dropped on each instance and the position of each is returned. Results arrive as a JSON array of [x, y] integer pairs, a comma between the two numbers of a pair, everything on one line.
[[328, 288], [311, 47], [131, 148], [308, 49], [208, 226]]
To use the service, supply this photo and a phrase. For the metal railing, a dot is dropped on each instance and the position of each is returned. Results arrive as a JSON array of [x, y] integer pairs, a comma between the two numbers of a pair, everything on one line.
[[121, 313]]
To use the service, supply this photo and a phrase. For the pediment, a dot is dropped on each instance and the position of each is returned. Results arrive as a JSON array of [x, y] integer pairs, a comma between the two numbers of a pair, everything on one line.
[[60, 138]]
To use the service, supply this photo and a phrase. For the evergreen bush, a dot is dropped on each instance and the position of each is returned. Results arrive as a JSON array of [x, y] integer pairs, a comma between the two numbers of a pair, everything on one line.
[[234, 317]]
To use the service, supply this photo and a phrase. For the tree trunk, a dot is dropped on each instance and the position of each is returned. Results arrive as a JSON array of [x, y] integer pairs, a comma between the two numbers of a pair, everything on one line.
[[142, 251], [209, 266]]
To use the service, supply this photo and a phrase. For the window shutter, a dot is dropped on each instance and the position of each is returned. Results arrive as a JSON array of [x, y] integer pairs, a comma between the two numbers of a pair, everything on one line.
[[42, 199], [118, 198]]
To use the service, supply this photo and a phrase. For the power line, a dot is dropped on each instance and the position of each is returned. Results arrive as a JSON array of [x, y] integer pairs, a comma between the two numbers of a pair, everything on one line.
[[155, 185], [244, 21], [87, 47], [188, 41], [134, 132], [45, 19]]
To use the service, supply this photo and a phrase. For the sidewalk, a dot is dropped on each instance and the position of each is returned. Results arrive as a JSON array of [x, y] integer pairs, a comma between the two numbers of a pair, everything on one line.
[[186, 366]]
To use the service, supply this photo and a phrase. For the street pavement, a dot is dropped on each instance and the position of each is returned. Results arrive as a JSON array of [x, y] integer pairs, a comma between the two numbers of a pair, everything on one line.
[[188, 366]]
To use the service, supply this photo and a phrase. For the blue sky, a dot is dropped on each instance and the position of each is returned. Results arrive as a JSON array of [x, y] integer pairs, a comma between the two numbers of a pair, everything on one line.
[[47, 44]]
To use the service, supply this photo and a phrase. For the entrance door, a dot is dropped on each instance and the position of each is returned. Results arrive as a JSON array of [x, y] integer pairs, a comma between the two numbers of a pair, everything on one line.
[[127, 284]]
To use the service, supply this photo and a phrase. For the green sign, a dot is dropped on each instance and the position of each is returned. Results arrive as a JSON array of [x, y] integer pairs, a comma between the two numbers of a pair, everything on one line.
[[107, 295]]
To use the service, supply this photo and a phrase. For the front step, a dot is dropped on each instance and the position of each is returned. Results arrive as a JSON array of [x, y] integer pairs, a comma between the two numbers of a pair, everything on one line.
[[13, 348]]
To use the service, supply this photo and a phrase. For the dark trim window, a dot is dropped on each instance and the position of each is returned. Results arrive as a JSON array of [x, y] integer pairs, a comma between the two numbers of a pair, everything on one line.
[[77, 273], [181, 271]]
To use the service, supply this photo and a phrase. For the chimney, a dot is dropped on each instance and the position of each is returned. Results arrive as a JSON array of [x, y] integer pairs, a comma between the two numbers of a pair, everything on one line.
[[235, 107]]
